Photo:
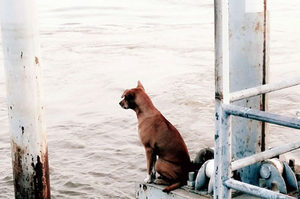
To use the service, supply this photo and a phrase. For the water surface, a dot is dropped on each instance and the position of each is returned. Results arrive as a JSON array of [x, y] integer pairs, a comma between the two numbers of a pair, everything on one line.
[[93, 50]]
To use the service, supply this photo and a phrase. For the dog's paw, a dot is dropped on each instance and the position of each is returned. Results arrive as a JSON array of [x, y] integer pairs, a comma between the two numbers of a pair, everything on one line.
[[149, 178]]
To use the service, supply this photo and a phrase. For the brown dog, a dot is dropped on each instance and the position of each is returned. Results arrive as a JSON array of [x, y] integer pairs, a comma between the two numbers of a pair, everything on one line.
[[160, 138]]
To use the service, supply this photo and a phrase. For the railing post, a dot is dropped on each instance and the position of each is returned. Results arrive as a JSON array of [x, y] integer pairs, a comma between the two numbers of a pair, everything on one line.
[[226, 154], [22, 63], [218, 96], [222, 125]]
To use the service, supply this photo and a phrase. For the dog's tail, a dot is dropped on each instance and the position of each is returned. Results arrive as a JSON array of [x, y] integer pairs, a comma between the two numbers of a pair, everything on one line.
[[172, 187]]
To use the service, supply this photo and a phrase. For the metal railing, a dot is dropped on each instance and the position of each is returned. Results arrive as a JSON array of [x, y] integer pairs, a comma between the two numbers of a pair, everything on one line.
[[223, 164], [226, 166]]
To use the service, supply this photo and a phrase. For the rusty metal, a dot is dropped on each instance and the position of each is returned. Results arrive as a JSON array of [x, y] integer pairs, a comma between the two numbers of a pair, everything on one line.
[[22, 66]]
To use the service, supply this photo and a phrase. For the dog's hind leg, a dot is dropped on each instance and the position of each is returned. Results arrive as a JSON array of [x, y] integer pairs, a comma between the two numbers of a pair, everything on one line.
[[168, 170], [172, 174]]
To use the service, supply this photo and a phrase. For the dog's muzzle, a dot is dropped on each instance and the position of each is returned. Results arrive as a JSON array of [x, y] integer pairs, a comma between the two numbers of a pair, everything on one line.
[[123, 104]]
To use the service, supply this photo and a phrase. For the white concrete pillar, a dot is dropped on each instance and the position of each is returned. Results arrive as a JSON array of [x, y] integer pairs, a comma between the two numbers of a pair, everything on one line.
[[22, 63]]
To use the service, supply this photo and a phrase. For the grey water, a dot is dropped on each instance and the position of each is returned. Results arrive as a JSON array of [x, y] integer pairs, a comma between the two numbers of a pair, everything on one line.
[[93, 50]]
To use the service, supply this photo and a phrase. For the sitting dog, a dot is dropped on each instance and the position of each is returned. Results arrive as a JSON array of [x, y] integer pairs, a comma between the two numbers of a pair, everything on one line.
[[165, 149]]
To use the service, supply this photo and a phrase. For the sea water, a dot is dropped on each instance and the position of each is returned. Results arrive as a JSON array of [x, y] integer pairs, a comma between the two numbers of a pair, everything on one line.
[[93, 50]]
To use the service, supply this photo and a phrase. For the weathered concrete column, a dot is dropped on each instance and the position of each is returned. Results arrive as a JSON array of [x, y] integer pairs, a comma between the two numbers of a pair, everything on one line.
[[22, 63]]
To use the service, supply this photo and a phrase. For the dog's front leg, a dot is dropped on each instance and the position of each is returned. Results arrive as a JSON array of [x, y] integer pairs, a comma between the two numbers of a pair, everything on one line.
[[151, 159]]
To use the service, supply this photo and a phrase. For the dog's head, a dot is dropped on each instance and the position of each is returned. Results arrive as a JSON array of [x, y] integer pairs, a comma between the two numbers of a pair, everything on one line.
[[130, 97]]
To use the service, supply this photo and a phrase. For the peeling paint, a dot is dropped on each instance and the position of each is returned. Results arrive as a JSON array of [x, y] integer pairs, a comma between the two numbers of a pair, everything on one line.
[[217, 116], [219, 95], [216, 137], [145, 187]]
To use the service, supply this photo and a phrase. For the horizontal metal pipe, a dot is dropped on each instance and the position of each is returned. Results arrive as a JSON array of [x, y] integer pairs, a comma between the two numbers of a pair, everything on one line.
[[267, 88], [262, 116], [266, 117], [254, 190], [238, 164]]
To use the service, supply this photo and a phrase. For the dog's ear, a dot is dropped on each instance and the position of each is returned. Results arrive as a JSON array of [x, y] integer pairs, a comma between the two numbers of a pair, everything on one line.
[[139, 85]]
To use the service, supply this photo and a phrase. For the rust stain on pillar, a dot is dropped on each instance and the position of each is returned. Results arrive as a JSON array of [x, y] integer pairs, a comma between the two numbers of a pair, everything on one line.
[[30, 182], [36, 60]]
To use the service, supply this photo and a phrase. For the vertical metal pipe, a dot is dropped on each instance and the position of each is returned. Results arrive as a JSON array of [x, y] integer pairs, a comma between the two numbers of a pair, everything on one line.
[[221, 94], [225, 51], [22, 63], [266, 61], [226, 154], [218, 97], [217, 152]]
